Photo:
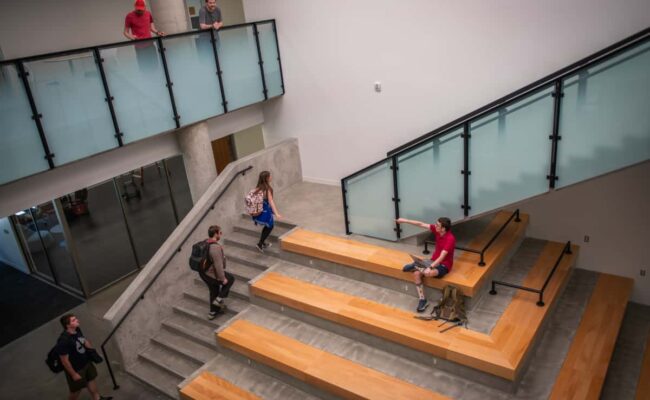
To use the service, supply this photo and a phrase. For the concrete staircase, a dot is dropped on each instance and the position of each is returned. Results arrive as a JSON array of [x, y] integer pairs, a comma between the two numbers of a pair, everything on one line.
[[187, 345]]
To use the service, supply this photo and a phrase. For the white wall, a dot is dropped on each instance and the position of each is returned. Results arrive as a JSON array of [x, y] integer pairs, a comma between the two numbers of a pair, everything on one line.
[[613, 211], [437, 60], [10, 252]]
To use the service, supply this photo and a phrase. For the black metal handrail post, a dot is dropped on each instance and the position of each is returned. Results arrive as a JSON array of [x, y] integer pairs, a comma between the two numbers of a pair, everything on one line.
[[515, 216], [109, 98], [565, 250], [260, 61], [141, 296], [394, 167], [555, 135], [213, 41], [344, 191], [163, 57]]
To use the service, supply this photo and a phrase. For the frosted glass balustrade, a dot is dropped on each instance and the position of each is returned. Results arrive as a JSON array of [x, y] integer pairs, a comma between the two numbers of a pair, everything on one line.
[[242, 79], [371, 211], [21, 151], [429, 181], [269, 49], [136, 79], [69, 94], [510, 153], [605, 117], [193, 70]]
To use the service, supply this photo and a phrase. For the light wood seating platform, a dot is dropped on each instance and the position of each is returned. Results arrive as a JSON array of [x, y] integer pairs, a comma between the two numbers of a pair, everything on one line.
[[585, 367], [643, 387], [316, 367], [501, 353], [208, 386], [466, 274]]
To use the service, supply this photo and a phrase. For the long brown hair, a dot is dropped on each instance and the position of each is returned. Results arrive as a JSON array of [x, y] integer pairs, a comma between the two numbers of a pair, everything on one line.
[[263, 182]]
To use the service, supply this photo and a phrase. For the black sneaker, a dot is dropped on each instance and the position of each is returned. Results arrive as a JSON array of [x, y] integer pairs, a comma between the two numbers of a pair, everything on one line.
[[260, 247], [267, 245], [409, 268], [212, 315], [422, 305]]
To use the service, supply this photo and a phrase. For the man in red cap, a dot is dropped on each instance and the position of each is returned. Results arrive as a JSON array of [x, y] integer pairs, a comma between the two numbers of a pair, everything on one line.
[[138, 24]]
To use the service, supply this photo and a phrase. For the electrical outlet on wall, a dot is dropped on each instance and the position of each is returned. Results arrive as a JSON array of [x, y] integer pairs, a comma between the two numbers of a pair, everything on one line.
[[586, 238], [642, 272]]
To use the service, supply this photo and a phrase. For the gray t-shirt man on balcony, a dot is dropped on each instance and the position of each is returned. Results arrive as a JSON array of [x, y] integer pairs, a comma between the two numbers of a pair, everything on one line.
[[210, 15]]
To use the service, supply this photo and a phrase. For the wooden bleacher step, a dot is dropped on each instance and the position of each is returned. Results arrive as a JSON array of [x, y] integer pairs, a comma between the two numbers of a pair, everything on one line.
[[466, 274], [583, 373], [643, 387], [208, 386], [316, 367], [502, 353]]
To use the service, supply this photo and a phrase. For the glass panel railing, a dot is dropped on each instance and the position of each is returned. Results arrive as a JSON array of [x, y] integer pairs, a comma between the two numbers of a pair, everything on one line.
[[136, 79], [510, 153], [605, 117], [193, 70], [242, 79], [21, 152], [69, 95], [371, 210], [429, 181], [271, 59]]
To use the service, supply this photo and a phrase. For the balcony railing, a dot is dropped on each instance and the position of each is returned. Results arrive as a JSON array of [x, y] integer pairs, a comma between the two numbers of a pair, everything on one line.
[[60, 107], [585, 120]]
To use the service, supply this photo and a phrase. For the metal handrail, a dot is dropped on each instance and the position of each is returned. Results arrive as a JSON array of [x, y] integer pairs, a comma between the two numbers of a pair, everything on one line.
[[128, 42], [481, 263], [540, 302], [141, 296]]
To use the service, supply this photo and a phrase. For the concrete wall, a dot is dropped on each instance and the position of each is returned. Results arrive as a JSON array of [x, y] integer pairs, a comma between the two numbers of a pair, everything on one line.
[[144, 321], [436, 60], [613, 211], [10, 252], [248, 141]]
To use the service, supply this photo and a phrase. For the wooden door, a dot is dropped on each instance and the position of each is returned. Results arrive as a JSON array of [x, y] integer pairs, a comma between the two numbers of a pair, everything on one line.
[[222, 149]]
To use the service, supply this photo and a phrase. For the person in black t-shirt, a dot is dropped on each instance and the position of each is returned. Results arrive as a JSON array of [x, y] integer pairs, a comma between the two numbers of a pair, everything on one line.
[[73, 349]]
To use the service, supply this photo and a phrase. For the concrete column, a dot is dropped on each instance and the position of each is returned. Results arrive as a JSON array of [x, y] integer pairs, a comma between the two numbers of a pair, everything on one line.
[[198, 158], [170, 16]]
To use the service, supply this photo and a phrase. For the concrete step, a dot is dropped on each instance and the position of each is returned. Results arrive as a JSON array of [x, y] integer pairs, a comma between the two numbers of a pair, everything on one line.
[[157, 378], [248, 378], [252, 258], [242, 271], [247, 242], [238, 290], [190, 329], [349, 349], [284, 224], [255, 231], [183, 347], [168, 361], [198, 296]]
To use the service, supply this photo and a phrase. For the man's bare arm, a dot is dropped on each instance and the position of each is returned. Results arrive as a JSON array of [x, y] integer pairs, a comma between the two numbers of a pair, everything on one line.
[[412, 222], [65, 360], [128, 34]]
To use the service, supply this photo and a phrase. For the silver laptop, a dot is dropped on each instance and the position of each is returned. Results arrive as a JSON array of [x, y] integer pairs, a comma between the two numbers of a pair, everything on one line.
[[420, 263]]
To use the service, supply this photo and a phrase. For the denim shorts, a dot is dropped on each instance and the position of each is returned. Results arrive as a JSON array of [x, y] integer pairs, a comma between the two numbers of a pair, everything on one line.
[[442, 270]]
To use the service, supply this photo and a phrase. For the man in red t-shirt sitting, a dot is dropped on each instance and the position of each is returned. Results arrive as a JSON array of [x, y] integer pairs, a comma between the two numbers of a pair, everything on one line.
[[138, 24], [442, 258]]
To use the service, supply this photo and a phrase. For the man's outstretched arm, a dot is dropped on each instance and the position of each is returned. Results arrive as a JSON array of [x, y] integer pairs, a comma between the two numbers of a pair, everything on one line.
[[421, 224]]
